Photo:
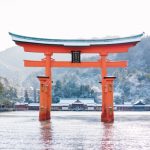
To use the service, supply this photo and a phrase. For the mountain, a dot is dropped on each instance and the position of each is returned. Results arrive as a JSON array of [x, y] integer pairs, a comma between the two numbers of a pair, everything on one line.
[[11, 64], [134, 82]]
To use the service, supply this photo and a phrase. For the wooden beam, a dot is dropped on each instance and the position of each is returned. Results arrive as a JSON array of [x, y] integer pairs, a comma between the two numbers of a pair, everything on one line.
[[41, 48], [58, 64], [114, 64], [32, 63], [72, 65]]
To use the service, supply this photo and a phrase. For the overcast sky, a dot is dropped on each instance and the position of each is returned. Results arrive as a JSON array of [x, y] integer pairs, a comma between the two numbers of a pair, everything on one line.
[[72, 18]]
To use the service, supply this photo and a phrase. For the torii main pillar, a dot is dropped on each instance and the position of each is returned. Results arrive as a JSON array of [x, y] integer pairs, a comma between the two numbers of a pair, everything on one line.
[[103, 74], [48, 74], [108, 106], [44, 111]]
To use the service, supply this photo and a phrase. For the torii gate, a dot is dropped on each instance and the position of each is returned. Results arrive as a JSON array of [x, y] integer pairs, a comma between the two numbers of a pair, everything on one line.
[[101, 46]]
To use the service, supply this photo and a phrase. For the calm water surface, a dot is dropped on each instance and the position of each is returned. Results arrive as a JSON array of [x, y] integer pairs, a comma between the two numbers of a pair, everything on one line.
[[74, 131]]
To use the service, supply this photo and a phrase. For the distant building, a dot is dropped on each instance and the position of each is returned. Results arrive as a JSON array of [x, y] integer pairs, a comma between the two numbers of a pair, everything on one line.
[[137, 106], [21, 106], [76, 104], [33, 106], [83, 104]]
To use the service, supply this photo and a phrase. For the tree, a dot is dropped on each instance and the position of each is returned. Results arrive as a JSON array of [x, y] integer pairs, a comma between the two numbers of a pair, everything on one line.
[[34, 94], [1, 88], [85, 91], [58, 89], [92, 93], [71, 89], [7, 103], [56, 99], [27, 100], [57, 92], [10, 93]]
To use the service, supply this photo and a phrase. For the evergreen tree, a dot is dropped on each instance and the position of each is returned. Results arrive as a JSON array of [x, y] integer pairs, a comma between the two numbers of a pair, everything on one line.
[[34, 94], [58, 89], [92, 93], [71, 89], [26, 97], [57, 92], [10, 93], [1, 88]]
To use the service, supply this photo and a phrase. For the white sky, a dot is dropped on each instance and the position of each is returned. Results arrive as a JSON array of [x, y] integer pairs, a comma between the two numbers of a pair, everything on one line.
[[72, 18]]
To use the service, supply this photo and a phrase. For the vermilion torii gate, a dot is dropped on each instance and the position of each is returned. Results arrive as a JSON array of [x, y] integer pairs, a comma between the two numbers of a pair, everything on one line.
[[101, 46]]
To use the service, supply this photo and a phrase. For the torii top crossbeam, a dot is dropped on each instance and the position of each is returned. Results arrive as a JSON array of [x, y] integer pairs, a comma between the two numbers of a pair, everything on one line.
[[101, 46], [115, 45], [76, 42]]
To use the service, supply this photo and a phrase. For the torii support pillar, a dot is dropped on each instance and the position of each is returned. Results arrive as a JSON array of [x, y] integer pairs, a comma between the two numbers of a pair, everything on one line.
[[108, 108], [44, 111]]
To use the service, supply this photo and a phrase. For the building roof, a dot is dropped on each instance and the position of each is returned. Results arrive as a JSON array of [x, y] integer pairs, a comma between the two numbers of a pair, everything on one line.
[[74, 100], [127, 103], [34, 104], [76, 42], [140, 102], [18, 103], [77, 102]]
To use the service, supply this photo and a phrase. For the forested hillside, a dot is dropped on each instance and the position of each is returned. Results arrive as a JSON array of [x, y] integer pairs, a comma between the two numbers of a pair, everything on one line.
[[8, 93]]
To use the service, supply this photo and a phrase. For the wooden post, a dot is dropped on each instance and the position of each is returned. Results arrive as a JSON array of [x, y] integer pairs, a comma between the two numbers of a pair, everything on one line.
[[104, 73], [49, 93], [43, 97], [109, 108]]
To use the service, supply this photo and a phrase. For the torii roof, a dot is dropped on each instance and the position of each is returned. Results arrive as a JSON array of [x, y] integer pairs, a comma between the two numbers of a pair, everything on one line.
[[76, 42]]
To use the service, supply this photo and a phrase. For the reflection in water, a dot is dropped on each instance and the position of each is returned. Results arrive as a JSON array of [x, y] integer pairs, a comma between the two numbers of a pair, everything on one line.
[[46, 133], [107, 138]]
